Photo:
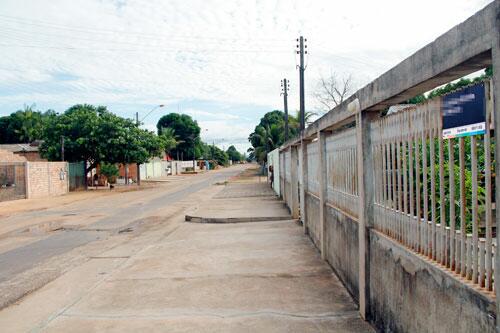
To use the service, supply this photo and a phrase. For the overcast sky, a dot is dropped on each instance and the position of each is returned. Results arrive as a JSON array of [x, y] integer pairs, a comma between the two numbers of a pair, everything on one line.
[[219, 61]]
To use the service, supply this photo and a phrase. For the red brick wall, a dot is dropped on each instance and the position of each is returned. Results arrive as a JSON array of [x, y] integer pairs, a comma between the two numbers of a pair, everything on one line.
[[31, 156], [7, 156], [132, 171]]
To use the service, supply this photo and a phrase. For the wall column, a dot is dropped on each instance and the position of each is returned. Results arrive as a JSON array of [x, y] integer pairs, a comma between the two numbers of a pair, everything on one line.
[[281, 158], [294, 157], [303, 177], [366, 198], [495, 54], [322, 178]]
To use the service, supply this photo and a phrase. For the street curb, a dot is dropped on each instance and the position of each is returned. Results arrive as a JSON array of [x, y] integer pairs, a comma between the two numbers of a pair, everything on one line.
[[199, 219]]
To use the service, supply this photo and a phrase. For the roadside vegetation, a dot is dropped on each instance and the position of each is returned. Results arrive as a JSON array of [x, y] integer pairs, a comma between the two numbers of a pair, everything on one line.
[[99, 137]]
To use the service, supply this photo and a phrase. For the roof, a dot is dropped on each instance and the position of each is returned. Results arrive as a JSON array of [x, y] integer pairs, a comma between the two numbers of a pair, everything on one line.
[[19, 147]]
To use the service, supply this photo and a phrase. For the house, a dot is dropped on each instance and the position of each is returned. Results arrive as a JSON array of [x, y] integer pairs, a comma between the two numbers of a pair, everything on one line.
[[27, 150]]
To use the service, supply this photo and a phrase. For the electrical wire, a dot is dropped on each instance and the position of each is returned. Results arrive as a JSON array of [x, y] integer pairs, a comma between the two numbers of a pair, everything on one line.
[[39, 23]]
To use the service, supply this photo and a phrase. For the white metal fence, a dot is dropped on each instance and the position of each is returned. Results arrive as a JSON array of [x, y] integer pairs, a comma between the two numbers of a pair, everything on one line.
[[432, 195], [341, 172], [435, 195]]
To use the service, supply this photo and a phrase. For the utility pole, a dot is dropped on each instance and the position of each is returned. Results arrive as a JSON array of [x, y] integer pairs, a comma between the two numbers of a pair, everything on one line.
[[301, 52], [284, 88], [138, 166]]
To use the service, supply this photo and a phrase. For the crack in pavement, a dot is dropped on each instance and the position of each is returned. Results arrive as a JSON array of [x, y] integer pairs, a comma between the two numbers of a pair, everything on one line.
[[351, 314]]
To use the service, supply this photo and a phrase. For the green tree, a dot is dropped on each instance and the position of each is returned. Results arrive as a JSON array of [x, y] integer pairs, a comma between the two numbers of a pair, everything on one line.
[[24, 126], [109, 170], [269, 134], [233, 154], [450, 87], [95, 135], [187, 131], [169, 139], [219, 155]]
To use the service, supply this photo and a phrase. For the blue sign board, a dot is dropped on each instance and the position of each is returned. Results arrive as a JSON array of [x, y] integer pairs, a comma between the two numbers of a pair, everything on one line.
[[464, 112]]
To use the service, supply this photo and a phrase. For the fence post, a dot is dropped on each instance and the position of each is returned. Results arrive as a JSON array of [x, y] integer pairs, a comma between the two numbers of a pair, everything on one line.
[[294, 179], [284, 194], [495, 54], [366, 197], [303, 176], [322, 178], [281, 174]]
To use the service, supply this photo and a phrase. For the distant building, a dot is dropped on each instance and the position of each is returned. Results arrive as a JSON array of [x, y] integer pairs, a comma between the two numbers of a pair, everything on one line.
[[28, 150]]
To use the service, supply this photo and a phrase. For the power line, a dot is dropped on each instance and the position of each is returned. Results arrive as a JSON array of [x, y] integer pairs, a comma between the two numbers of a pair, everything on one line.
[[20, 33], [71, 48], [50, 25]]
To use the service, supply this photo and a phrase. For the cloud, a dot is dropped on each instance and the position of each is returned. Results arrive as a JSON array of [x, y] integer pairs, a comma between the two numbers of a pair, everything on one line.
[[132, 55], [201, 115]]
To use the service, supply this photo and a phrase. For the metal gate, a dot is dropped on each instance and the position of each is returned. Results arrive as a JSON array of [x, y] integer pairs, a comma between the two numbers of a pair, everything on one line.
[[76, 174]]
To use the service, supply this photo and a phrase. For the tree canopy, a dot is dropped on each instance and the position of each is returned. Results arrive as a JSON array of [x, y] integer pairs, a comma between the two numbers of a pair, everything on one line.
[[450, 87], [270, 134], [187, 133], [95, 135], [24, 126], [233, 154]]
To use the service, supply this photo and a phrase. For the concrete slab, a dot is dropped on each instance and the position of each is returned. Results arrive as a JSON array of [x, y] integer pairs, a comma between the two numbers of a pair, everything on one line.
[[257, 323], [39, 308], [185, 277], [263, 276], [213, 250]]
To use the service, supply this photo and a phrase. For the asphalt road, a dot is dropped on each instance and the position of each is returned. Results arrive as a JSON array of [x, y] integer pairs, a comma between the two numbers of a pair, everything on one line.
[[119, 218]]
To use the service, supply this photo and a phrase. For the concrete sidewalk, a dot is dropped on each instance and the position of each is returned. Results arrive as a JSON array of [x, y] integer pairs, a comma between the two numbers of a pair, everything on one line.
[[244, 277]]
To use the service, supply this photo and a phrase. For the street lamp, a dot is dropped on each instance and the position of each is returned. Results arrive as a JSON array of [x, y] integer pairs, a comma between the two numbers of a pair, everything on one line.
[[137, 114], [137, 124]]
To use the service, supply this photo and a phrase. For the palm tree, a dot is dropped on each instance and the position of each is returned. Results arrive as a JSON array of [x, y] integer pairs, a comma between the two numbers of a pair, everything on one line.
[[264, 140], [169, 138], [28, 124], [308, 116]]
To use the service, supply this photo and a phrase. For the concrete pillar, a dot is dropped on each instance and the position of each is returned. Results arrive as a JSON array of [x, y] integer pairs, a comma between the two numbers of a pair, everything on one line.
[[294, 157], [322, 178], [282, 174], [495, 53], [303, 177], [366, 200], [285, 189]]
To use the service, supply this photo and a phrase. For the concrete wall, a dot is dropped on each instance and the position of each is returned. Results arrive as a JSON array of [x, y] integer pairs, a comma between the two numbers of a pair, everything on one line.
[[187, 165], [313, 225], [44, 179], [409, 294], [274, 160], [342, 248]]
